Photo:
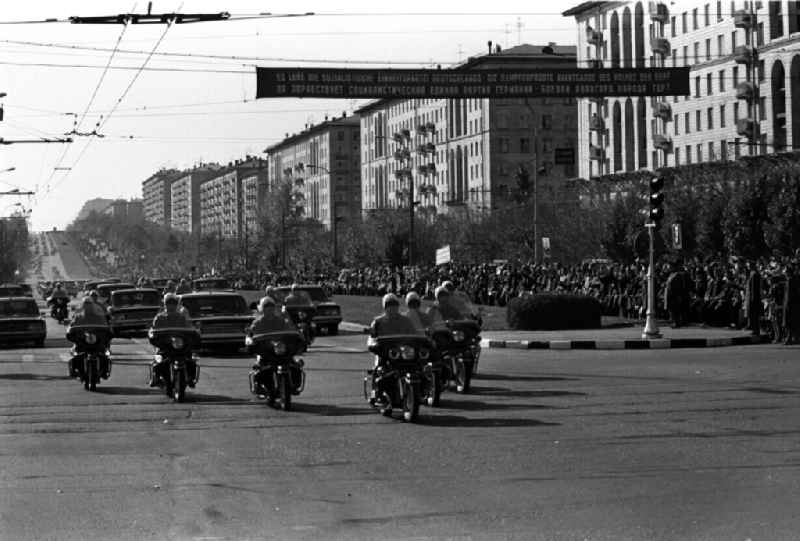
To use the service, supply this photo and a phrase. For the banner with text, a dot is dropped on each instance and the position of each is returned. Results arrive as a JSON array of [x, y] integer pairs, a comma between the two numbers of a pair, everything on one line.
[[430, 83]]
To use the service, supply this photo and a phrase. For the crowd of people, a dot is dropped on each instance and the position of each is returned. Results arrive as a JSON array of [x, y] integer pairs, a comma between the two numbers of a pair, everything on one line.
[[761, 295]]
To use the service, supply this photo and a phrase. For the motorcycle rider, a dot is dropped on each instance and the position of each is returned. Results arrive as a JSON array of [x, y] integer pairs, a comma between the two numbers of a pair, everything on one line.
[[443, 309], [171, 317], [58, 293], [294, 297], [89, 314], [183, 287], [461, 301], [270, 319], [419, 318]]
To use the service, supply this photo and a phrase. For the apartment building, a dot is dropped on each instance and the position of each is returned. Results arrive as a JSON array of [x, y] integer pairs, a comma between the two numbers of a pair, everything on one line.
[[219, 205], [322, 163], [745, 78], [157, 196], [468, 152]]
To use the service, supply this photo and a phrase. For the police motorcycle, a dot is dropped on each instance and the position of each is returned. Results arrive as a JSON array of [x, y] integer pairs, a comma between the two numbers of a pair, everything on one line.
[[397, 380], [91, 359], [278, 373], [60, 309], [302, 311], [174, 365], [458, 343]]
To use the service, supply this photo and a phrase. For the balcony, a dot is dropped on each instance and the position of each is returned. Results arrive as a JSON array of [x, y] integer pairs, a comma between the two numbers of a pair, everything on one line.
[[659, 12], [596, 123], [743, 55], [427, 148], [743, 19], [593, 37], [745, 127], [594, 64], [663, 110], [660, 46], [662, 142], [745, 91]]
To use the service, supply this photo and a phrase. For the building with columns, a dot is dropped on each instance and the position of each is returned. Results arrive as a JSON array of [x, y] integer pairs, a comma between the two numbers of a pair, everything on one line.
[[745, 82], [467, 153], [322, 162]]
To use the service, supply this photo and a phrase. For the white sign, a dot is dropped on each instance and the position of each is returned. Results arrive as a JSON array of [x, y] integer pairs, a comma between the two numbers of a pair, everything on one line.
[[546, 243], [443, 255]]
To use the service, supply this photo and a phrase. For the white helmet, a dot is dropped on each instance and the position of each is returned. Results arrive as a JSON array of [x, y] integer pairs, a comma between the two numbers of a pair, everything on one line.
[[390, 299]]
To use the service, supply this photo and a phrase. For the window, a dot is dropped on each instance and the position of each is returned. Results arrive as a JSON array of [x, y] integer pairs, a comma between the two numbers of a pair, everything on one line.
[[762, 109], [699, 152], [695, 25], [720, 45], [547, 145], [698, 120], [760, 71], [760, 34], [733, 40], [504, 145], [711, 155], [697, 87], [547, 122], [736, 150], [721, 116], [708, 49], [723, 150], [709, 84], [719, 11], [688, 154], [683, 20], [735, 76], [672, 26], [735, 112], [674, 58], [722, 80], [524, 145], [677, 156], [696, 52], [707, 14], [687, 128], [685, 55], [710, 119]]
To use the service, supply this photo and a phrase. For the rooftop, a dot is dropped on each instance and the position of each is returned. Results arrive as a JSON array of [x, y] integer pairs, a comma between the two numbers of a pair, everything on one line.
[[352, 120]]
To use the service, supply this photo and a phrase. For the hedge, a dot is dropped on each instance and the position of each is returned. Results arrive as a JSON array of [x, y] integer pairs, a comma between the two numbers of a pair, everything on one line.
[[553, 312]]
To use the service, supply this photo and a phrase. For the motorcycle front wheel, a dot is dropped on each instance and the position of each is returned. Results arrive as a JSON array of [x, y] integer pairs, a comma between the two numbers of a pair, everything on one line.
[[285, 391], [410, 403], [435, 391], [178, 386], [90, 381], [463, 376]]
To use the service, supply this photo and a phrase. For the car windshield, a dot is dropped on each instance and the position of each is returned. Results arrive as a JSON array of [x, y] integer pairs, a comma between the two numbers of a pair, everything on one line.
[[316, 294], [299, 297], [18, 308], [11, 292], [213, 284], [136, 298], [212, 306]]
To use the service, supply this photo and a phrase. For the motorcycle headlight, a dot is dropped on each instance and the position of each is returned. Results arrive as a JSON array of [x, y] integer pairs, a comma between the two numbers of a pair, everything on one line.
[[407, 352], [394, 353], [301, 315], [458, 336], [424, 354], [90, 337], [279, 347], [248, 340], [177, 342]]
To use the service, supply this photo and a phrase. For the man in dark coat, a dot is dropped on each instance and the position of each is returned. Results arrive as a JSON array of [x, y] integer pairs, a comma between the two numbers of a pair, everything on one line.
[[753, 299], [791, 306]]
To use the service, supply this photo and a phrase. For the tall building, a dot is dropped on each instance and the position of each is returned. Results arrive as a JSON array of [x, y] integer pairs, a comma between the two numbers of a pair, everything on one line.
[[254, 180], [219, 205], [468, 152], [322, 162], [185, 197], [157, 196], [745, 82], [128, 211]]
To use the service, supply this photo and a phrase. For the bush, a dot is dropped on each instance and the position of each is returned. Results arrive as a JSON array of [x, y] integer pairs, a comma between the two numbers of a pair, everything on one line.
[[553, 312]]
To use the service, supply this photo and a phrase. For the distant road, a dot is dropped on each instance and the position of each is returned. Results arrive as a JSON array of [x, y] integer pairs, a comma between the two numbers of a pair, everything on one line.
[[61, 259]]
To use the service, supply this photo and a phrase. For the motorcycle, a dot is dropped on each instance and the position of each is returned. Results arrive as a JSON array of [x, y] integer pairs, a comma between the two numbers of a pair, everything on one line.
[[174, 366], [459, 346], [91, 358], [397, 380], [277, 374], [302, 316], [60, 309]]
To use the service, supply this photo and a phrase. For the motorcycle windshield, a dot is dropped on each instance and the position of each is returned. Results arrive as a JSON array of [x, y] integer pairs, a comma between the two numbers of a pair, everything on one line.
[[297, 299], [461, 302]]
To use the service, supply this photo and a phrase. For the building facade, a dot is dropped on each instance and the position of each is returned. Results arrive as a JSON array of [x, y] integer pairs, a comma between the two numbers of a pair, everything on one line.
[[219, 206], [322, 162], [745, 82], [157, 197], [468, 152]]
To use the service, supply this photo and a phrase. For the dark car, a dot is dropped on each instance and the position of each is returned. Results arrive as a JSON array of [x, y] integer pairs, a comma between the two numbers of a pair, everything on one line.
[[212, 284], [94, 284], [132, 310], [27, 290], [11, 290], [328, 314], [104, 291], [222, 318], [20, 321]]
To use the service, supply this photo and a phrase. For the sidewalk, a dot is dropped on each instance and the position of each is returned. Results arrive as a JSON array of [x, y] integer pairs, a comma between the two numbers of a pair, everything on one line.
[[619, 338]]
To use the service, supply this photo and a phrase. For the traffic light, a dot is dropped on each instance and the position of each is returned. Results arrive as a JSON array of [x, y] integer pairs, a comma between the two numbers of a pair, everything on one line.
[[656, 199]]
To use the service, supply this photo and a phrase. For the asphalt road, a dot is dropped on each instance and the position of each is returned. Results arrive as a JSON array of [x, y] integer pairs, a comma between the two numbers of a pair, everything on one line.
[[574, 445]]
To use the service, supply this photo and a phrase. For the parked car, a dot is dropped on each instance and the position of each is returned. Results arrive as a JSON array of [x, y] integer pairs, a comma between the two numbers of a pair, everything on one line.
[[222, 318], [132, 310], [21, 321], [328, 314], [104, 291], [211, 284]]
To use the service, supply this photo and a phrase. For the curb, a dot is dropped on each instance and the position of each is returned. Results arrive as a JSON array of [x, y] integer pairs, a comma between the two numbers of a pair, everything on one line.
[[664, 343]]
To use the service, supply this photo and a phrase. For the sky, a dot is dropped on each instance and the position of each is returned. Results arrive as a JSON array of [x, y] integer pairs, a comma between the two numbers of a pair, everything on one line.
[[182, 110]]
